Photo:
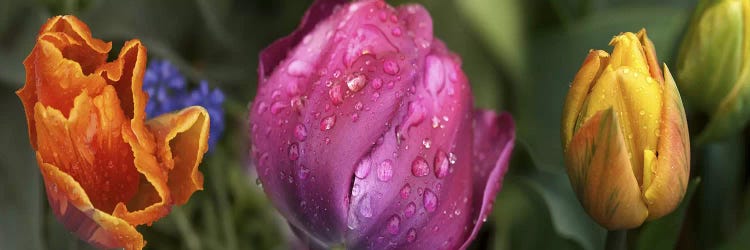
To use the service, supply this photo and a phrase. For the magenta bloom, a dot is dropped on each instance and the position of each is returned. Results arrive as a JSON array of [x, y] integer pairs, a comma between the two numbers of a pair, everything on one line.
[[364, 132]]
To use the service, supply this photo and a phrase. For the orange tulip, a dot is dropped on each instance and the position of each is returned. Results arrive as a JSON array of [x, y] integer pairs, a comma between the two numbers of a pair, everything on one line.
[[105, 168]]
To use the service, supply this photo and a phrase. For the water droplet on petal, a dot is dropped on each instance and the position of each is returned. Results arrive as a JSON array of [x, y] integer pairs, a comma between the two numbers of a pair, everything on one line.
[[441, 164], [410, 210], [336, 95], [299, 68], [405, 191], [390, 67], [427, 143], [262, 107], [300, 132], [363, 168], [419, 167], [411, 235], [303, 173], [277, 107], [327, 123], [358, 106], [385, 170], [393, 224], [365, 206], [452, 158], [377, 83], [396, 31], [434, 79], [356, 83], [430, 200], [293, 152]]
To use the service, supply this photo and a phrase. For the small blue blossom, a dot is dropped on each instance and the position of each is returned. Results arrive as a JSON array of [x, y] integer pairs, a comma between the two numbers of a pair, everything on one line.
[[167, 90]]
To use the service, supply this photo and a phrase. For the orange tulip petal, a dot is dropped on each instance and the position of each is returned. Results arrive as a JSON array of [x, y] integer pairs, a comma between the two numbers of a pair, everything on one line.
[[575, 101], [71, 206], [183, 139]]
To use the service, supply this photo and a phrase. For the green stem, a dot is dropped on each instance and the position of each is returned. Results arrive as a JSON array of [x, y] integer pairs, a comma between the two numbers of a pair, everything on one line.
[[617, 240]]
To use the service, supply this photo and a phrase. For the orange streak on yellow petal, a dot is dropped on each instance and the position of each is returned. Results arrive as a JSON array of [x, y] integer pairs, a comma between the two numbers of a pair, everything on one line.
[[601, 175], [672, 170]]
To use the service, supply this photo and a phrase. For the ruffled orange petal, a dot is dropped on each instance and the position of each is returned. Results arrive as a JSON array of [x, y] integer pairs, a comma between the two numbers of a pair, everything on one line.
[[182, 140]]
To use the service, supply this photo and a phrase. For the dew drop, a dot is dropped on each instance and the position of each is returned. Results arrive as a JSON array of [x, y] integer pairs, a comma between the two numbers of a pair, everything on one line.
[[303, 173], [427, 143], [262, 107], [410, 210], [358, 106], [430, 200], [299, 68], [336, 95], [377, 83], [363, 168], [293, 152], [405, 191], [642, 112], [390, 67], [385, 170], [411, 235], [419, 167], [441, 164], [300, 132], [393, 225], [396, 31], [452, 158], [327, 123], [365, 206], [356, 83], [277, 107]]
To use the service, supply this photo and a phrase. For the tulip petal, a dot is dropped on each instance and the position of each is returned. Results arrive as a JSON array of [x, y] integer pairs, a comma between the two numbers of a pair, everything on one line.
[[494, 138], [600, 170], [272, 56], [575, 101], [182, 140], [72, 207], [672, 170]]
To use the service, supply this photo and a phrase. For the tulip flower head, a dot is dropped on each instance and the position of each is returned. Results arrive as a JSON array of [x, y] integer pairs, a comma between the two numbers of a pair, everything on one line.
[[625, 135], [106, 169], [364, 133], [712, 66]]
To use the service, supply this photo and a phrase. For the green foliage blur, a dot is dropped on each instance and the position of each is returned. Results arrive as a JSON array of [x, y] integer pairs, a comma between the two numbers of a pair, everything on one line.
[[520, 56]]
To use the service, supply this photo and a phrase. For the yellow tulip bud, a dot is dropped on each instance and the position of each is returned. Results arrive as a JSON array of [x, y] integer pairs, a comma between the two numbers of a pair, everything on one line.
[[713, 68], [625, 135]]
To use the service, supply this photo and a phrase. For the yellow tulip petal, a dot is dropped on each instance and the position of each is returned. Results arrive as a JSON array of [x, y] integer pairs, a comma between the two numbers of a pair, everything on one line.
[[672, 171], [601, 175], [579, 90]]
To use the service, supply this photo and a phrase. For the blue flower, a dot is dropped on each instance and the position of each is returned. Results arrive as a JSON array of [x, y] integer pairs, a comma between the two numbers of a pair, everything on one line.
[[167, 90]]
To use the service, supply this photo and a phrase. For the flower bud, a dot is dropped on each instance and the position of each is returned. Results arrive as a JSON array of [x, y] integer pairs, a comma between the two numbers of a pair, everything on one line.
[[106, 169], [712, 66], [364, 133], [625, 136]]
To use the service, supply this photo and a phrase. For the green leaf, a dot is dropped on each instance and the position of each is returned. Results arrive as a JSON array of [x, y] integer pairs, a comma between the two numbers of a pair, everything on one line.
[[664, 233], [521, 217], [568, 217]]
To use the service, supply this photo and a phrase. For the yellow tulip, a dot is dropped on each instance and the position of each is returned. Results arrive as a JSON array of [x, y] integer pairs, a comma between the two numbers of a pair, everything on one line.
[[625, 135]]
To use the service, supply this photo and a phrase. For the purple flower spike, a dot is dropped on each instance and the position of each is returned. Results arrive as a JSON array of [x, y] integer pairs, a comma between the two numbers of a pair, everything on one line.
[[364, 132]]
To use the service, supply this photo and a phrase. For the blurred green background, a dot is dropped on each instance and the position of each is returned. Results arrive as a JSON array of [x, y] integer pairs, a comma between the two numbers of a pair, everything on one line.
[[520, 56]]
